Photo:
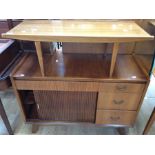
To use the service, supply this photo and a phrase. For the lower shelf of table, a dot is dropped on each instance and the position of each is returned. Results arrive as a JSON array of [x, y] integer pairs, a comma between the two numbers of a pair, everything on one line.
[[79, 67]]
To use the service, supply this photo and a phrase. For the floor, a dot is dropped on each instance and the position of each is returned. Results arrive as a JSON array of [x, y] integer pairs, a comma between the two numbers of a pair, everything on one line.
[[20, 128]]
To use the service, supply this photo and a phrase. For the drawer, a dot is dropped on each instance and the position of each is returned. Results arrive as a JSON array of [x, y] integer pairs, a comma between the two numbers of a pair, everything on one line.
[[118, 101], [121, 87], [115, 117], [56, 85]]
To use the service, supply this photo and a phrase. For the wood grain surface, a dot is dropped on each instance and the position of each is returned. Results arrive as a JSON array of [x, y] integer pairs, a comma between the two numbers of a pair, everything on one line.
[[78, 31]]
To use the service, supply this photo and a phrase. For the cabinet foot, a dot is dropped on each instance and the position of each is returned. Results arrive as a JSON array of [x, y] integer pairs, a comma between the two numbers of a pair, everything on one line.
[[149, 123], [35, 128], [122, 131]]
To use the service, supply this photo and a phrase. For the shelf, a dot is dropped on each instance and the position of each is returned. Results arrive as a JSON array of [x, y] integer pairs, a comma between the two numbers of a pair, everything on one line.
[[79, 67]]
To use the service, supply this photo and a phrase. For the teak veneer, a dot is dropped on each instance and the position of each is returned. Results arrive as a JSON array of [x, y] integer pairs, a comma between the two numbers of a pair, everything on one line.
[[81, 67], [78, 31], [81, 82]]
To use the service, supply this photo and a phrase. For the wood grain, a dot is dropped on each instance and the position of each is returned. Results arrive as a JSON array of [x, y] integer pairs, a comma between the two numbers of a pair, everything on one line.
[[19, 99], [78, 31], [73, 78], [121, 87], [40, 57], [66, 106], [114, 56], [78, 86], [81, 67], [115, 117], [118, 101], [144, 61]]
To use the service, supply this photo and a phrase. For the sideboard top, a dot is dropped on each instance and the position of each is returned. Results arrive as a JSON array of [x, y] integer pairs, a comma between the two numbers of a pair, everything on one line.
[[78, 31], [153, 23]]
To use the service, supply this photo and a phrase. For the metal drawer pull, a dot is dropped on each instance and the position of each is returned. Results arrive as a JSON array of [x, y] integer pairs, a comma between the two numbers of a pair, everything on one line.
[[121, 88], [118, 102], [114, 118], [38, 106]]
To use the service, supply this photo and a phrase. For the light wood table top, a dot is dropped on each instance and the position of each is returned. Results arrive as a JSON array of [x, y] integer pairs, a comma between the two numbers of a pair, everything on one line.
[[152, 23], [78, 31]]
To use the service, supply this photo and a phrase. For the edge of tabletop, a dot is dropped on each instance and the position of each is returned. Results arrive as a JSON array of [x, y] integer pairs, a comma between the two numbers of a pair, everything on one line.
[[90, 39]]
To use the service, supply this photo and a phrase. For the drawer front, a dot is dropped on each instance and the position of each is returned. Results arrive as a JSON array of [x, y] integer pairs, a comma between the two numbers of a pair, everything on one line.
[[115, 117], [78, 86], [118, 101], [56, 85], [121, 87]]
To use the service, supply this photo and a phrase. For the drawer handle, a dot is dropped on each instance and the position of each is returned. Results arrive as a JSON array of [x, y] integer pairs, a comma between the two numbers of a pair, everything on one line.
[[38, 107], [114, 118], [121, 88], [118, 102]]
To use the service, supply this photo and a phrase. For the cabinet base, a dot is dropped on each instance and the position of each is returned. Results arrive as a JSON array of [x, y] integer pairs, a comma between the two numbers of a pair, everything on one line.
[[122, 131]]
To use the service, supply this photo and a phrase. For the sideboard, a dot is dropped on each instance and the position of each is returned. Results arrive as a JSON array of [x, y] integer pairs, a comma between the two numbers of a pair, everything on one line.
[[95, 77]]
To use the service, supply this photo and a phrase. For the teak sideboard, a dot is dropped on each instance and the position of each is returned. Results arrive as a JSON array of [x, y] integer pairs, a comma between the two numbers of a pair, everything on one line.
[[94, 78]]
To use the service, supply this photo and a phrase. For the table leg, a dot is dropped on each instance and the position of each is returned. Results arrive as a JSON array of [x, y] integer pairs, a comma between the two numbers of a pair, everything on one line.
[[5, 119]]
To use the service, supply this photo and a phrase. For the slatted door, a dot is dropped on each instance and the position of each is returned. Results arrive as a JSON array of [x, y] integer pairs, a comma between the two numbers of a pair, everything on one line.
[[66, 106]]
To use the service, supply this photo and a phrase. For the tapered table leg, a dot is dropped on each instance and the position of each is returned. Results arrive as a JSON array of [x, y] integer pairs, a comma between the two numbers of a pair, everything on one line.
[[5, 119]]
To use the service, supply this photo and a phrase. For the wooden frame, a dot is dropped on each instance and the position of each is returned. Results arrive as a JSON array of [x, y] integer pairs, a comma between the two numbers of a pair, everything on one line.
[[110, 84]]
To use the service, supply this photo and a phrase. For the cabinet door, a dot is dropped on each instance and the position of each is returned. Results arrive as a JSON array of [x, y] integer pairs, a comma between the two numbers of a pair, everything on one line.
[[66, 106]]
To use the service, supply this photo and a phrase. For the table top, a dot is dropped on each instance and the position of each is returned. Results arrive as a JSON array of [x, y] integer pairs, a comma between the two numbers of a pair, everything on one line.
[[78, 31], [152, 22]]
